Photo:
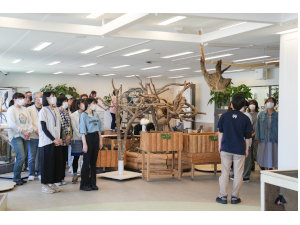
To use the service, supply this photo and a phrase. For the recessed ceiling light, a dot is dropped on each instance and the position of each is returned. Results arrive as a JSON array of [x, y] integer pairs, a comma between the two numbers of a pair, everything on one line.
[[116, 67], [17, 60], [42, 46], [107, 75], [90, 64], [83, 73], [186, 68], [287, 31], [31, 71], [175, 77], [150, 68], [232, 71], [260, 57], [54, 63], [218, 56], [57, 72], [175, 55], [206, 70], [260, 60], [233, 25], [91, 49], [94, 15], [137, 52], [155, 76], [132, 76], [172, 20]]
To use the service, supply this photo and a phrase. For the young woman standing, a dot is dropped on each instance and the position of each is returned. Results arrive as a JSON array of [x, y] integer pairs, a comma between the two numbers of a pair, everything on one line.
[[112, 111], [90, 130], [19, 120], [77, 147], [253, 109], [49, 143]]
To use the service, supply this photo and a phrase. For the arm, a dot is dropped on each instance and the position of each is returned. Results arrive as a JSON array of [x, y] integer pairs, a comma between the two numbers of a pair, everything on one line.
[[101, 106], [220, 141], [49, 135], [35, 129], [30, 127], [100, 141], [74, 127], [85, 147], [247, 147]]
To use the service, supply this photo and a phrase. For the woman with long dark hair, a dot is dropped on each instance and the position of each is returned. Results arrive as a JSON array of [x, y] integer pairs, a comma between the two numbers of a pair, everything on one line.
[[253, 110]]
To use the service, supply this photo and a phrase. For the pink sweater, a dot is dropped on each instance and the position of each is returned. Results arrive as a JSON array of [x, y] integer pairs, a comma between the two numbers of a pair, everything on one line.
[[113, 101]]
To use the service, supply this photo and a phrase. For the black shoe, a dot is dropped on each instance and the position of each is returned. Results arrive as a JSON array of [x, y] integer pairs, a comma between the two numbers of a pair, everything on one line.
[[19, 182], [235, 200], [246, 179], [85, 188], [94, 187], [24, 181], [222, 200], [253, 169]]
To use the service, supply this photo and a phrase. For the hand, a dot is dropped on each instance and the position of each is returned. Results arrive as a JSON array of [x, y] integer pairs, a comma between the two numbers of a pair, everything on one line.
[[26, 138], [257, 141], [85, 148], [37, 132], [220, 148], [56, 142], [26, 133], [247, 153], [253, 135], [100, 145]]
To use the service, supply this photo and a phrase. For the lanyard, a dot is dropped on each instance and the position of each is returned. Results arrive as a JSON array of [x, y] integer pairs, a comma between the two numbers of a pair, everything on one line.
[[64, 116], [52, 115]]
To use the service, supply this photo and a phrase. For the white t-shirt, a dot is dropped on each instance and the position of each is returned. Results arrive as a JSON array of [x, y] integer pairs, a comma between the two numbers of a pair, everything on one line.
[[50, 117], [18, 119]]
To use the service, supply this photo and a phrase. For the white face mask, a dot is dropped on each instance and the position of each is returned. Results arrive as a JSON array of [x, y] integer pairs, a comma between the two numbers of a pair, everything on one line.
[[53, 100], [40, 100], [93, 106], [65, 105], [252, 107], [82, 106], [21, 102], [242, 109], [270, 105]]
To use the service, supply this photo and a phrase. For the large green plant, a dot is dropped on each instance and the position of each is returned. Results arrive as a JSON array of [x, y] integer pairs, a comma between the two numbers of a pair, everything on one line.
[[107, 99], [224, 97], [276, 94], [61, 90]]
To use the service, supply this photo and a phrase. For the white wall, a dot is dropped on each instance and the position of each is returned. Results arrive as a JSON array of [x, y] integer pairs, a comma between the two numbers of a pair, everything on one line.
[[203, 91], [288, 98]]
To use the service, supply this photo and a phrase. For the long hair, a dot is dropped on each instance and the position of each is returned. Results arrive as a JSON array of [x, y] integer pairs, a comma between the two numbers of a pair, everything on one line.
[[15, 96], [253, 101]]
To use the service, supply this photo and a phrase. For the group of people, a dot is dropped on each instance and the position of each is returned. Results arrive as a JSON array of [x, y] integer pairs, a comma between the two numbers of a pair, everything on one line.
[[48, 127], [245, 134]]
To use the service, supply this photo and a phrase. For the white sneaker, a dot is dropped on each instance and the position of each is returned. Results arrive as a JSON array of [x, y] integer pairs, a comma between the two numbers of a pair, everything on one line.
[[54, 187], [39, 177], [58, 184], [30, 178], [70, 170], [63, 182], [47, 189]]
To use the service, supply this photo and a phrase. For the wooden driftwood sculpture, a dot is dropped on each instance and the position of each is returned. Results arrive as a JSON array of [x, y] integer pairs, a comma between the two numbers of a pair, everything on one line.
[[215, 80]]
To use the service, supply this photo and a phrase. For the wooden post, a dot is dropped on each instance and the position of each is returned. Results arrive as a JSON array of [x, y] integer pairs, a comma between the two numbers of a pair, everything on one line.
[[143, 164], [148, 166], [215, 168], [179, 165], [193, 171]]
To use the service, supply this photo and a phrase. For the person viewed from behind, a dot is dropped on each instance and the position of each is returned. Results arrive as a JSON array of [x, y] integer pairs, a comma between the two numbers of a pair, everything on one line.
[[84, 96], [66, 129], [90, 130], [94, 95], [76, 139], [266, 135], [234, 137], [34, 137], [18, 119], [253, 110], [112, 111], [49, 143]]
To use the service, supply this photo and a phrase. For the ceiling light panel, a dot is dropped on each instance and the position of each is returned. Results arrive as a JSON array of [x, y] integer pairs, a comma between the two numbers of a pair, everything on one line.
[[42, 46], [233, 25], [58, 73], [175, 77], [175, 55], [155, 76], [132, 76], [95, 48], [94, 15], [31, 71], [232, 71], [17, 60], [287, 31], [107, 75], [117, 67], [83, 74], [218, 56], [186, 68], [259, 57], [54, 63], [206, 70], [172, 20], [137, 52], [87, 65], [150, 68]]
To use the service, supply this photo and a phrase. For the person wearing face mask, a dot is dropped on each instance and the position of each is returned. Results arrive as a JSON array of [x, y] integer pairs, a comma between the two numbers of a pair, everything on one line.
[[77, 147], [18, 119], [28, 99], [66, 129], [253, 110], [49, 143], [90, 130], [34, 137], [94, 95], [266, 135]]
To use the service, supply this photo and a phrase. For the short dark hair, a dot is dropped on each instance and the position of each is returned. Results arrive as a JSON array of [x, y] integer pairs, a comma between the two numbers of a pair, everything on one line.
[[246, 103], [89, 101], [84, 95], [28, 92], [15, 96], [150, 126], [60, 100], [238, 101], [92, 93], [114, 92], [253, 101], [273, 99], [46, 95], [75, 103]]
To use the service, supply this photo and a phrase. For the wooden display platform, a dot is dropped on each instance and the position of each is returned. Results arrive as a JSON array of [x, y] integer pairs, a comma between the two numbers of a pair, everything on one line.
[[161, 142], [201, 149], [11, 175]]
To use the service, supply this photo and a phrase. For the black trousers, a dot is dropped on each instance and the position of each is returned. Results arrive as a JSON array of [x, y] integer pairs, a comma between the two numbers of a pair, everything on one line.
[[113, 121], [90, 160], [50, 164], [64, 159], [75, 163]]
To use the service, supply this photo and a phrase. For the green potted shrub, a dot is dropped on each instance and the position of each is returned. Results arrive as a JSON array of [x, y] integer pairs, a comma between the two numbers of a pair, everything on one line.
[[61, 90]]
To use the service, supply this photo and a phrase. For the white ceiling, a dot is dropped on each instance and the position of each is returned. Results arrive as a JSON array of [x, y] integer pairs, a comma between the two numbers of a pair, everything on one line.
[[17, 43]]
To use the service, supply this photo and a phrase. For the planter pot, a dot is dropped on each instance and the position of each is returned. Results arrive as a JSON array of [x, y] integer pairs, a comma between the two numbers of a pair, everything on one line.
[[120, 167]]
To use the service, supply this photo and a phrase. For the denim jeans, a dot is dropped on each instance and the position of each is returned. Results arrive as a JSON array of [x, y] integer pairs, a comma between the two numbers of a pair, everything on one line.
[[32, 151], [21, 148]]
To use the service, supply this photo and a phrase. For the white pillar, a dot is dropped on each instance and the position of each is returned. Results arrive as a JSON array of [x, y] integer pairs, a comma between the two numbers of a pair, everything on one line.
[[288, 102]]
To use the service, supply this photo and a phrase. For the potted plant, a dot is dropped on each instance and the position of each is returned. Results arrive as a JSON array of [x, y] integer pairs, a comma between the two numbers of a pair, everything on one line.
[[61, 90]]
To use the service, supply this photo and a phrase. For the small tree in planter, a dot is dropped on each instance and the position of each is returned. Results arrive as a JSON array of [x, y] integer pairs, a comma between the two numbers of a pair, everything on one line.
[[61, 90]]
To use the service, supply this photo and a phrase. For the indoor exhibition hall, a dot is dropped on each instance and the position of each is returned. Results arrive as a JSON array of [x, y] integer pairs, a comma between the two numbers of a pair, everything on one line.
[[148, 112]]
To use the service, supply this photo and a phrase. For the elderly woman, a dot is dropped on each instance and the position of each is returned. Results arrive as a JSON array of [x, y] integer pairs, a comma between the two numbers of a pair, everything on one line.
[[266, 135]]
